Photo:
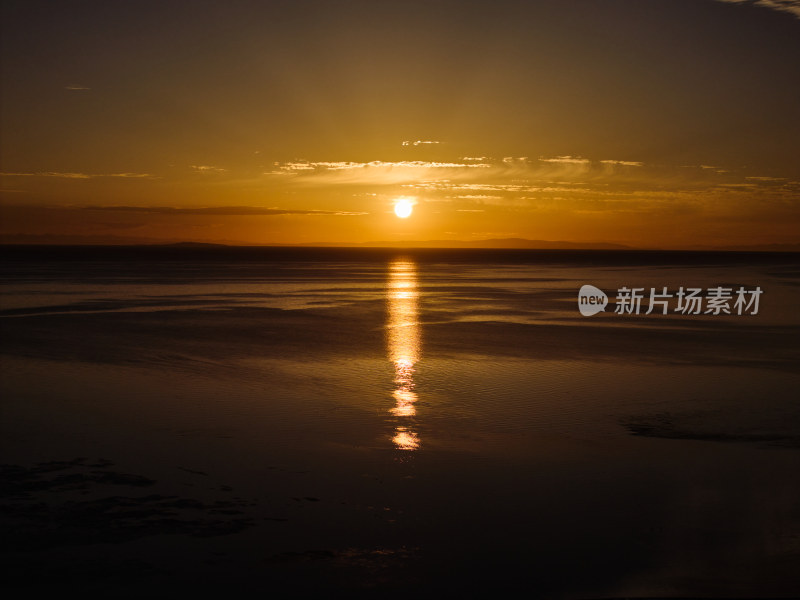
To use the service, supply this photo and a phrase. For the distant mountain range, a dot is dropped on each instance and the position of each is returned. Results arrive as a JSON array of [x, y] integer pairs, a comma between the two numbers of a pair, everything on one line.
[[518, 243]]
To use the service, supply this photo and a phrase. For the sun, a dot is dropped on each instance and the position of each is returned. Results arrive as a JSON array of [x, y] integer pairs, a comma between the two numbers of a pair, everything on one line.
[[403, 208]]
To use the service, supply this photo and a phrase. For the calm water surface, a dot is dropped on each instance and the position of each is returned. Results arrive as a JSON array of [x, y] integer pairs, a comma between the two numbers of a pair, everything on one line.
[[399, 423]]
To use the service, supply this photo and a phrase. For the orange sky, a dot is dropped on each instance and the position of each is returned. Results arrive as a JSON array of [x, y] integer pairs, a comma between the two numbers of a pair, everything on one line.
[[304, 122]]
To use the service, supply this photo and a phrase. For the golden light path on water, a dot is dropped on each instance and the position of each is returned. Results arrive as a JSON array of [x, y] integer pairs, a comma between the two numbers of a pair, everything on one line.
[[403, 346]]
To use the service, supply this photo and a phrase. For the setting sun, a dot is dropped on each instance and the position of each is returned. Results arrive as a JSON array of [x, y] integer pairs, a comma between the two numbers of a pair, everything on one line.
[[403, 208]]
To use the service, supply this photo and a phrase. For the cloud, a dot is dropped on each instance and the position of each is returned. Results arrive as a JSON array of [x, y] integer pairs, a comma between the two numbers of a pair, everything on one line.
[[622, 163], [571, 160], [789, 6], [419, 172], [68, 175], [565, 182], [207, 169], [710, 168], [219, 210], [375, 164], [493, 187], [420, 143], [478, 187], [75, 87], [377, 172]]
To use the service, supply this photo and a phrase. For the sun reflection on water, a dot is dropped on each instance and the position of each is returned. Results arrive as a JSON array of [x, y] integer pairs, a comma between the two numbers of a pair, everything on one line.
[[403, 345]]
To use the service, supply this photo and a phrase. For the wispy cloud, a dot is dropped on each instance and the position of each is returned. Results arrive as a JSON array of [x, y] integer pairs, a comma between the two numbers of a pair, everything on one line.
[[218, 210], [377, 172], [417, 169], [622, 163], [207, 169], [578, 184], [478, 170], [420, 143], [789, 6], [76, 87], [510, 180], [570, 160], [710, 168], [71, 175], [299, 166]]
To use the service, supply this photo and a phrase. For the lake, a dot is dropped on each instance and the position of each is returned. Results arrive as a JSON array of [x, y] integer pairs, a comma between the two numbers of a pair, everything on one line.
[[399, 422]]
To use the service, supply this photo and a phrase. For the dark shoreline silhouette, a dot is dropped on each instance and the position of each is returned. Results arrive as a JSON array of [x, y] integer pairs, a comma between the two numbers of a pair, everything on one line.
[[213, 252]]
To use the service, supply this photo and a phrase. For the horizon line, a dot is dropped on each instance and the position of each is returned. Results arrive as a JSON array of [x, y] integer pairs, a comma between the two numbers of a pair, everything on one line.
[[378, 245]]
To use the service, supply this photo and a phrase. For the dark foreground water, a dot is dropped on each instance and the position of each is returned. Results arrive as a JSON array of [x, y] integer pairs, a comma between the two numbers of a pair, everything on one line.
[[397, 423]]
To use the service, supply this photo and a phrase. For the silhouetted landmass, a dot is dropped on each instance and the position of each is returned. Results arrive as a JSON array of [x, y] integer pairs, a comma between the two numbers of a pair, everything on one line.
[[490, 243], [494, 243], [145, 256]]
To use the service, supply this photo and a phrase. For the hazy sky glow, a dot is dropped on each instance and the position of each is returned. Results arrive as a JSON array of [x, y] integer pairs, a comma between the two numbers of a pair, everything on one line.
[[666, 123]]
